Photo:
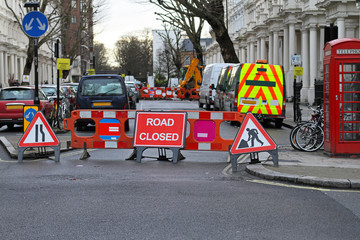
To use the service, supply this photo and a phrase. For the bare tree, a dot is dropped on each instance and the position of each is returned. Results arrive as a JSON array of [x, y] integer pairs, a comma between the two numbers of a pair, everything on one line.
[[134, 55], [213, 12], [101, 57], [190, 24], [172, 46]]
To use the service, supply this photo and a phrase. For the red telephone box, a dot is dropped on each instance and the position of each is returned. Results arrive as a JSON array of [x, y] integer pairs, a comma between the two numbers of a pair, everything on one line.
[[342, 97]]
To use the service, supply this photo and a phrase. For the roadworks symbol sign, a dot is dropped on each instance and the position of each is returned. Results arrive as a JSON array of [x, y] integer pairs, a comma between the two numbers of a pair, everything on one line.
[[39, 134], [252, 137]]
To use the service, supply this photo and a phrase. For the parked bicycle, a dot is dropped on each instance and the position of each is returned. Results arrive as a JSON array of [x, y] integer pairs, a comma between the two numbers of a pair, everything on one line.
[[309, 136]]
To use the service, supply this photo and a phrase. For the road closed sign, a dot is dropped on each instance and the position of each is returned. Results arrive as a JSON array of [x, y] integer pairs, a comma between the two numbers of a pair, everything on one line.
[[160, 129]]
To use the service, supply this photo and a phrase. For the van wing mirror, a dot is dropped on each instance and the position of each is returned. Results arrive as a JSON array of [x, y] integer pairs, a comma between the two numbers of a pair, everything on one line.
[[212, 86]]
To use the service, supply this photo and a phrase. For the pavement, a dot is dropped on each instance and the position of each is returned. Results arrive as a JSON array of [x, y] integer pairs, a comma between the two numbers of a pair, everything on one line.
[[305, 168]]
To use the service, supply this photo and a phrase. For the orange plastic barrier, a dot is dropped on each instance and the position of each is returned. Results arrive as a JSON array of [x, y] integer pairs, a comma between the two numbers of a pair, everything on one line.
[[110, 129], [194, 93], [205, 130]]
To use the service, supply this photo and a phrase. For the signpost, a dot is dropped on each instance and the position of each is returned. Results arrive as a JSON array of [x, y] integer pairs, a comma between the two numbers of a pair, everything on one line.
[[252, 138], [35, 24], [39, 134], [159, 130]]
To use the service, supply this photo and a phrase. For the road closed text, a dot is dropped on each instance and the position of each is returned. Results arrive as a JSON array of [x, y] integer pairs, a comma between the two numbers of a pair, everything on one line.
[[159, 129], [159, 136]]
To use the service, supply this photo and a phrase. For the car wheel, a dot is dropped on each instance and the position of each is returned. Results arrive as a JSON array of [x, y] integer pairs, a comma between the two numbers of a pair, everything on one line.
[[278, 122], [200, 104]]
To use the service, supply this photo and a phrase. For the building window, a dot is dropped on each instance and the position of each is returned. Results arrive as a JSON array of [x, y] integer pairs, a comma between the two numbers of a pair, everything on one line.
[[75, 63], [73, 19], [73, 3]]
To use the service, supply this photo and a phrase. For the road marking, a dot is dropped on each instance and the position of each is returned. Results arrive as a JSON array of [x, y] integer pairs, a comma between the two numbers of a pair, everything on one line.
[[227, 169], [301, 187]]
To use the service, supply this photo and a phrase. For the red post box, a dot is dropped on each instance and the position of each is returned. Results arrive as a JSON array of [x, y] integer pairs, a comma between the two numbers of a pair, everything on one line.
[[342, 97]]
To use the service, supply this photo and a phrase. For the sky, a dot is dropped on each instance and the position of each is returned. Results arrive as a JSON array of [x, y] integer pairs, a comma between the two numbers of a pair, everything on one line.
[[124, 17]]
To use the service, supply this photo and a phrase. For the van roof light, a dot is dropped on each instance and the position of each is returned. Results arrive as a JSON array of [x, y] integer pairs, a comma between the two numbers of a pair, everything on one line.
[[262, 61]]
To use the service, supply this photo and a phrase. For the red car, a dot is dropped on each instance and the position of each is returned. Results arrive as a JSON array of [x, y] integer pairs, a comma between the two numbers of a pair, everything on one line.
[[12, 100]]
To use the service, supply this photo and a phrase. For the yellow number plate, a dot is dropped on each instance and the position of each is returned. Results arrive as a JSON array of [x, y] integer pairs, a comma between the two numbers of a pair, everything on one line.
[[102, 104]]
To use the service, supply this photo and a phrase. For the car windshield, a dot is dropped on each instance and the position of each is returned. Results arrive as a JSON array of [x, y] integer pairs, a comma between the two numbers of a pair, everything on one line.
[[16, 94], [101, 87], [49, 91]]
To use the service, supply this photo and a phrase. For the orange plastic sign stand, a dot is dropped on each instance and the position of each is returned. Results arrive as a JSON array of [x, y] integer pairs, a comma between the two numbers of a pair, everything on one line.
[[38, 134], [159, 130], [252, 138]]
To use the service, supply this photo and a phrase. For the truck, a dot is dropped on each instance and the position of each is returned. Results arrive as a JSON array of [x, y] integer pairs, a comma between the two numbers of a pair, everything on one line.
[[192, 77]]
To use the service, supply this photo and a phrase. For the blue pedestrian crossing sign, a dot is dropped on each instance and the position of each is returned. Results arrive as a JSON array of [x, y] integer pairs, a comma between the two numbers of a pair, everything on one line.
[[35, 24]]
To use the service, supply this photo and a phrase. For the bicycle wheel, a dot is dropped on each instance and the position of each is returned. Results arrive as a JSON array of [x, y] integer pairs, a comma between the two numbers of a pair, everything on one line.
[[292, 138], [309, 137]]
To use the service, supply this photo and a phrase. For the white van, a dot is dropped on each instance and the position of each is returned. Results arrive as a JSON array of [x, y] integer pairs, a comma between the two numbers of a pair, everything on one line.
[[208, 85]]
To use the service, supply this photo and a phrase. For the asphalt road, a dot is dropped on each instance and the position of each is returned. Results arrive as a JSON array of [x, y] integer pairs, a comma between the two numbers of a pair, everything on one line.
[[107, 197]]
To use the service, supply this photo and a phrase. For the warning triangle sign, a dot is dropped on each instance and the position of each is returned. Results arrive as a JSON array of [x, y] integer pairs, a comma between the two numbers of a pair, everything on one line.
[[252, 137], [39, 134]]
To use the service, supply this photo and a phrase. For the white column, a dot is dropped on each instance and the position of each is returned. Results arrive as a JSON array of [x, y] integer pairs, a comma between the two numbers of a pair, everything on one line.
[[286, 50], [2, 69], [276, 48], [271, 51], [313, 63], [341, 27], [258, 49], [12, 65], [252, 52], [305, 63], [243, 54], [6, 69], [262, 48], [16, 68]]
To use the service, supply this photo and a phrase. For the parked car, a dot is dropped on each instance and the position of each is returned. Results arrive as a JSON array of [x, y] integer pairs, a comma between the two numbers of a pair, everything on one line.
[[132, 97], [135, 89], [73, 85], [208, 85], [231, 89], [12, 101], [64, 104], [70, 94], [220, 88], [105, 91]]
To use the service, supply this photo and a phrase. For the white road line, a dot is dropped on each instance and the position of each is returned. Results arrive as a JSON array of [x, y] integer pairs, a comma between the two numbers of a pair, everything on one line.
[[301, 187]]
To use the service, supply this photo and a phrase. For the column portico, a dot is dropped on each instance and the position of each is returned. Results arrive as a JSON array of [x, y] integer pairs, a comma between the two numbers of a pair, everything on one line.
[[305, 63], [313, 63], [341, 27], [276, 48]]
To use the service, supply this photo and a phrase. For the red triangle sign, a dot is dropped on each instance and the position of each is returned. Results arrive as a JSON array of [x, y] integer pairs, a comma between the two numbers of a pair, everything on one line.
[[252, 137], [39, 134]]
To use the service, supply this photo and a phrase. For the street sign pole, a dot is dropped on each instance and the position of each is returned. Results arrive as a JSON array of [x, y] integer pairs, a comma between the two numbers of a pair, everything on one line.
[[36, 95], [35, 24]]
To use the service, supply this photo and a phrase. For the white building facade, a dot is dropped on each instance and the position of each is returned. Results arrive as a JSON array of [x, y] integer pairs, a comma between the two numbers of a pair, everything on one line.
[[278, 29], [13, 48]]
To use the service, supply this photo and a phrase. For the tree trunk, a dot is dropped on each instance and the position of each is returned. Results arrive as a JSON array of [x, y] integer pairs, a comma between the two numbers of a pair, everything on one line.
[[226, 45], [29, 57]]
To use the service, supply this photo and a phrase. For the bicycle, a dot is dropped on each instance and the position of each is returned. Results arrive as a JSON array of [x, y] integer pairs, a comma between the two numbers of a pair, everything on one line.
[[309, 136], [57, 116]]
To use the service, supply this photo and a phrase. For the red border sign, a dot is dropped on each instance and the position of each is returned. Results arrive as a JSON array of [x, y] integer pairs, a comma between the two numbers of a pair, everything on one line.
[[252, 137], [39, 134], [160, 129]]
